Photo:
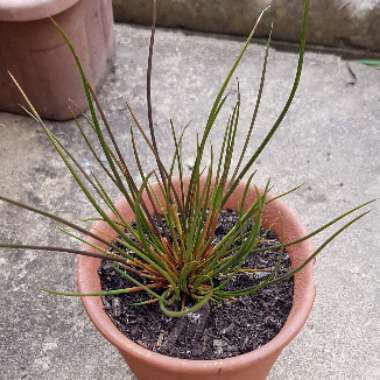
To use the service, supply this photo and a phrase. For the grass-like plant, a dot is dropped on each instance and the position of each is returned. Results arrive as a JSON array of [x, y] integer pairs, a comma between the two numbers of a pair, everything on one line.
[[375, 63], [181, 268]]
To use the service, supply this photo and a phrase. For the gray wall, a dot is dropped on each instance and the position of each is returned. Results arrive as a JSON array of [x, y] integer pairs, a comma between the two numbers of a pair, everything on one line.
[[351, 24]]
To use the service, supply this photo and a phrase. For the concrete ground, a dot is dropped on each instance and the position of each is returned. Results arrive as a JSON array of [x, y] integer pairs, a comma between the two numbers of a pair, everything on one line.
[[330, 141]]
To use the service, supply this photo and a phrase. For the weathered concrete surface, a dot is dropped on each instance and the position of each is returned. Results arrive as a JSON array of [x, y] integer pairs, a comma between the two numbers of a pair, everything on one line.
[[330, 141], [351, 24]]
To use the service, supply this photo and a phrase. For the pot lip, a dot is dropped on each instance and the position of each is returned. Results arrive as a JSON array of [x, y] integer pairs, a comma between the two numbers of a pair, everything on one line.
[[31, 10], [293, 325]]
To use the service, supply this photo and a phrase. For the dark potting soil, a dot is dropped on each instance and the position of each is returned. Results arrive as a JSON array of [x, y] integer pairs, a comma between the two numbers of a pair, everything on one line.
[[218, 330]]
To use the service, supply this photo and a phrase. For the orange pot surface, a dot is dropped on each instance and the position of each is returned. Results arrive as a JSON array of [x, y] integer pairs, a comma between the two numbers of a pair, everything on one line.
[[255, 365]]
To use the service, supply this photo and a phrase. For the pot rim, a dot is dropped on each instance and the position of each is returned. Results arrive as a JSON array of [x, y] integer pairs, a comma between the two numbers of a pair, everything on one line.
[[304, 295], [31, 10]]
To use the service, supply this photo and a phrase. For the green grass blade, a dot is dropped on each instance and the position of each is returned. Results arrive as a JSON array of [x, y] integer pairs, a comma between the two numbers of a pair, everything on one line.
[[219, 100], [104, 256], [329, 224], [253, 290], [116, 292], [257, 106], [289, 101]]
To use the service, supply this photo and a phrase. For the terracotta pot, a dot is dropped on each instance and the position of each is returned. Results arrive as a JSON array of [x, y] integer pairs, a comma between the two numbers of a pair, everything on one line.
[[148, 365], [33, 51]]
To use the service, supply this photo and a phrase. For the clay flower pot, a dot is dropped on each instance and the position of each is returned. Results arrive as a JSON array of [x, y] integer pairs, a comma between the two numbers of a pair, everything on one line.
[[33, 51], [148, 365]]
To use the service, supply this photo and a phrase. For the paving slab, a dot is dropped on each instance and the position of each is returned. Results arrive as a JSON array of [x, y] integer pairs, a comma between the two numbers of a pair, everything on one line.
[[330, 141]]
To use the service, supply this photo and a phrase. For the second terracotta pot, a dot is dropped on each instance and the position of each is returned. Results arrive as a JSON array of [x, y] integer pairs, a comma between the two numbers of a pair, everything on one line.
[[35, 53], [255, 365]]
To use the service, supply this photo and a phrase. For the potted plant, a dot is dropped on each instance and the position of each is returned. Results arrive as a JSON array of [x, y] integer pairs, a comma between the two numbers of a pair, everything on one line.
[[181, 264]]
